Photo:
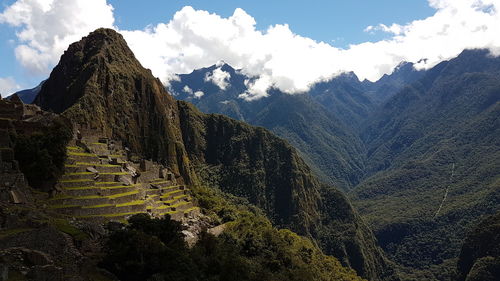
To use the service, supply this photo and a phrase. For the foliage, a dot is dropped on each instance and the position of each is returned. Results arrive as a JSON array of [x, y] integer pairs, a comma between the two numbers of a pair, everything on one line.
[[41, 155], [249, 249]]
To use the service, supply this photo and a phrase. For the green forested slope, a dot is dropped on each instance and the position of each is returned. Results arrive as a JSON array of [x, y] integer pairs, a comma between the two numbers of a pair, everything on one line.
[[434, 160]]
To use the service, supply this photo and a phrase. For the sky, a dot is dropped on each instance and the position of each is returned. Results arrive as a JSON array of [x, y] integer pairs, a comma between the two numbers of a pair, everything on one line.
[[286, 44]]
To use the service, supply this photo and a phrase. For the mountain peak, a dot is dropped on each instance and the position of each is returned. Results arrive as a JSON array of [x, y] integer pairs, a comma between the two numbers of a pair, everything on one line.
[[103, 89]]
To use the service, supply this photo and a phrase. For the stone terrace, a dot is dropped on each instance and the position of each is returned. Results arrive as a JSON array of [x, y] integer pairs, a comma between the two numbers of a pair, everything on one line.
[[99, 182]]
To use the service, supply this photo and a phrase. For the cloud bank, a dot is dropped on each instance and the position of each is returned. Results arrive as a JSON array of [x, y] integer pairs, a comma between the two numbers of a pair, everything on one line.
[[7, 86], [219, 77], [276, 57], [47, 27]]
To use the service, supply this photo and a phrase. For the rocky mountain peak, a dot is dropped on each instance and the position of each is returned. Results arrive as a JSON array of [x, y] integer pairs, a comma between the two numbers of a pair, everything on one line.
[[103, 89]]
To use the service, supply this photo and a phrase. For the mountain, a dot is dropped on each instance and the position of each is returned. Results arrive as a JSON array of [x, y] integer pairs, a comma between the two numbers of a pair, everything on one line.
[[417, 151], [100, 86], [29, 95], [324, 124], [389, 85], [330, 148], [103, 90], [433, 160], [480, 255]]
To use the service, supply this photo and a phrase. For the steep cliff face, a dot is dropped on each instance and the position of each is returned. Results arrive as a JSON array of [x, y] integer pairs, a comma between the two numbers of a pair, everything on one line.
[[101, 87], [252, 163]]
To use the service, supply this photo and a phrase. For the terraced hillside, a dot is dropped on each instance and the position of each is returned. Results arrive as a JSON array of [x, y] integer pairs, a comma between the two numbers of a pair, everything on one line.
[[100, 182]]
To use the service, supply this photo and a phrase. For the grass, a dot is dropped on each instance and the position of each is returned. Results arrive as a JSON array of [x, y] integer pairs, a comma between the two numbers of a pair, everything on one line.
[[64, 226], [74, 148], [168, 213], [106, 182], [115, 174], [10, 232], [62, 206], [131, 203], [97, 206], [169, 187], [77, 180], [180, 204], [112, 215], [81, 154], [191, 209], [158, 181], [60, 196], [86, 164], [79, 174], [99, 187], [114, 196], [99, 143], [170, 193]]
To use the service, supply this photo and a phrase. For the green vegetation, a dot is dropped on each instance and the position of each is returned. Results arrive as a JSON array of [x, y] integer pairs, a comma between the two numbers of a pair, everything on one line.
[[41, 155], [4, 233], [249, 249], [434, 163], [480, 255]]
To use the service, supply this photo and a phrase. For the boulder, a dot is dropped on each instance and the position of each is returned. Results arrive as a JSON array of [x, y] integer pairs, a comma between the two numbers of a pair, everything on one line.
[[92, 170]]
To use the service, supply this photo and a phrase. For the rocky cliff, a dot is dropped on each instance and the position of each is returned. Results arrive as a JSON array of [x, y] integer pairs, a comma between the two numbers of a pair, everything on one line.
[[102, 88]]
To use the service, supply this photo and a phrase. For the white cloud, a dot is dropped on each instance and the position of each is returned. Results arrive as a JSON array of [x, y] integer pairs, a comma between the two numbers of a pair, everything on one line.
[[47, 27], [198, 94], [8, 86], [275, 57], [219, 77], [187, 90]]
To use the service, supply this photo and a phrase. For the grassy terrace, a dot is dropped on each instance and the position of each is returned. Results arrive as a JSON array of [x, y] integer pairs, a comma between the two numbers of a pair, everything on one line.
[[62, 206], [131, 203], [99, 143], [114, 196], [72, 153], [166, 195], [77, 180], [191, 209], [173, 199], [111, 215], [100, 187], [85, 164], [78, 174], [74, 148], [13, 231]]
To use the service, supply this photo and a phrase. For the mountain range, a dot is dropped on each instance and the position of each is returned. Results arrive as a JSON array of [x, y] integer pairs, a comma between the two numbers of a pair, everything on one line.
[[417, 151], [104, 94]]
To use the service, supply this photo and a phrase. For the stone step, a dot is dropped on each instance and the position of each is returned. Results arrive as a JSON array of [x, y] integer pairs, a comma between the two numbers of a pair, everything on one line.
[[78, 176], [108, 209], [65, 183], [96, 199], [170, 195], [98, 190], [78, 167]]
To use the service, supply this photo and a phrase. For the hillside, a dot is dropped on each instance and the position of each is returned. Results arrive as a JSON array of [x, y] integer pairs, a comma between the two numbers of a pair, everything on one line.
[[480, 255], [103, 90], [433, 160], [329, 147], [417, 151]]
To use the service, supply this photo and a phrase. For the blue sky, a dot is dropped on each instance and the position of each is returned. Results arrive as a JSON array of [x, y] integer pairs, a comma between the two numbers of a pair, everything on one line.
[[340, 22], [285, 44], [337, 22]]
